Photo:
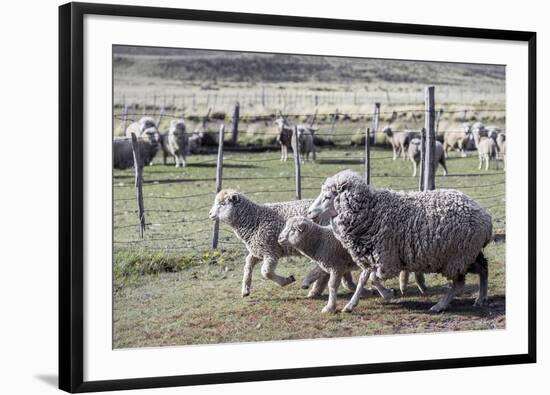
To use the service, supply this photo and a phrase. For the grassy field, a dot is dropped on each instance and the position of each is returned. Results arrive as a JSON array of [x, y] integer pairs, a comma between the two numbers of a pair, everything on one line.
[[172, 289]]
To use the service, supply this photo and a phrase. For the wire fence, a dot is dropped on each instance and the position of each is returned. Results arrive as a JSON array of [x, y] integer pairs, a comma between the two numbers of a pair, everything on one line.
[[176, 206]]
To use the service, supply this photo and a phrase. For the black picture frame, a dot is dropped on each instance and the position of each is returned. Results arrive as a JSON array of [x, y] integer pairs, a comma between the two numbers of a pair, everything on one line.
[[71, 198]]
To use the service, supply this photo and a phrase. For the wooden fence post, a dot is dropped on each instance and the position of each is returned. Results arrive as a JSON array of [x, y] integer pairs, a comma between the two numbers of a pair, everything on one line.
[[313, 118], [235, 129], [124, 119], [297, 171], [206, 119], [367, 156], [144, 109], [138, 169], [219, 175], [160, 118], [375, 120], [429, 178], [422, 158], [332, 124]]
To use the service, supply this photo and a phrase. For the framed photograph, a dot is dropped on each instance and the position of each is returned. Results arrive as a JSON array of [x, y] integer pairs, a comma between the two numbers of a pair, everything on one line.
[[260, 197]]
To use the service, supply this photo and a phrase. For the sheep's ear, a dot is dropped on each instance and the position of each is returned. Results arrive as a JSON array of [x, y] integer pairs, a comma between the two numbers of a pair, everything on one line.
[[234, 198], [343, 186]]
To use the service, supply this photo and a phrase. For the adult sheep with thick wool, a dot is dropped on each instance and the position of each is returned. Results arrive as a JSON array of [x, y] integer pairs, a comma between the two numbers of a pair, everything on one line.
[[385, 232], [147, 129], [148, 145], [258, 226], [175, 142], [414, 155], [458, 139], [399, 140]]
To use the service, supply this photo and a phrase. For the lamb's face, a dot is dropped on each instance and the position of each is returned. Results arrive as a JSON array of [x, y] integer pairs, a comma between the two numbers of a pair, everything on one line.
[[323, 206], [224, 205], [294, 231]]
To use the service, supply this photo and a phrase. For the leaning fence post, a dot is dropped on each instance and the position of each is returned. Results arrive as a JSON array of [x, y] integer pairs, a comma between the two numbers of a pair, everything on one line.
[[235, 129], [219, 175], [160, 117], [375, 120], [138, 169], [297, 171], [429, 179], [367, 156]]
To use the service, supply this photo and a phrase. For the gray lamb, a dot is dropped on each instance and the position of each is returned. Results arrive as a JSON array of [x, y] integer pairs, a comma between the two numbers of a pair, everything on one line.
[[319, 244], [385, 232]]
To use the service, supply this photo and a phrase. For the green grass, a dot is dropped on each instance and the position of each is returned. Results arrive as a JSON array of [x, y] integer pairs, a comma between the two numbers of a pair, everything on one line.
[[172, 289]]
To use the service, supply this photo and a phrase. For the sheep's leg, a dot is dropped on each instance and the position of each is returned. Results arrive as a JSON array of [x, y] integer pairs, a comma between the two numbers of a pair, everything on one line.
[[456, 288], [319, 286], [394, 149], [177, 160], [403, 281], [445, 171], [313, 275], [319, 278], [487, 163], [333, 283], [414, 168], [420, 282], [164, 156], [363, 277], [183, 160], [480, 162], [461, 149], [250, 262], [386, 293], [268, 272], [481, 268], [347, 282]]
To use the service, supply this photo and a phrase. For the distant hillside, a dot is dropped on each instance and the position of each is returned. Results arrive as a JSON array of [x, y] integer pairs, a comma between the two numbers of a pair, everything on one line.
[[223, 66]]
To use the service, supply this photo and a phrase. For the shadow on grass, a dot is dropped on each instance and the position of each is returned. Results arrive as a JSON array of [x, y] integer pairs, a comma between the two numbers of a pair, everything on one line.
[[461, 305], [340, 161]]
